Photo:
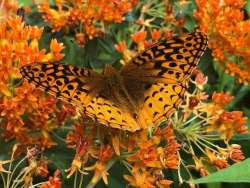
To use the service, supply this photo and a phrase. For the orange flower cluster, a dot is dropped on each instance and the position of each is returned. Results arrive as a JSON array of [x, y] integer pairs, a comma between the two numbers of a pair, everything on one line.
[[210, 122], [25, 110], [228, 32], [88, 18], [228, 123], [54, 182], [148, 156]]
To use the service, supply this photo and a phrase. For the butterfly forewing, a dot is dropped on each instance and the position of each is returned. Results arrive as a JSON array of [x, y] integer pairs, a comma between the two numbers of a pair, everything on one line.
[[70, 83], [169, 61]]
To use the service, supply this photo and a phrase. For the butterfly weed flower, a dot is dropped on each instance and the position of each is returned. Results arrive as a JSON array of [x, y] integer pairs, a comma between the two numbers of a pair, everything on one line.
[[20, 174], [19, 46], [76, 139], [100, 167], [53, 182], [143, 177], [139, 38], [90, 18], [121, 47], [227, 30], [156, 34]]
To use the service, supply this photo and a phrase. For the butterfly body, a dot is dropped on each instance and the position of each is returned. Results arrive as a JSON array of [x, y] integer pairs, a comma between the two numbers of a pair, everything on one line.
[[146, 91]]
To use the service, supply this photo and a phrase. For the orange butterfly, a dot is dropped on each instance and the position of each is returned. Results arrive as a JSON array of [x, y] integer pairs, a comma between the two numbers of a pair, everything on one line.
[[146, 91]]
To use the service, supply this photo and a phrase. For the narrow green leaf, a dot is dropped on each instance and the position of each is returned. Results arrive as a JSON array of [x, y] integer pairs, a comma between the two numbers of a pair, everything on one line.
[[247, 6], [25, 2], [214, 185], [239, 172]]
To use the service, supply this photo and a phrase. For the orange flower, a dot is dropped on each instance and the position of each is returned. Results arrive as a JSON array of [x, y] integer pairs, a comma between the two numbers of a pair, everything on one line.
[[100, 168], [139, 36], [145, 178], [19, 46], [121, 46], [236, 153], [55, 52], [54, 182], [80, 38], [140, 178], [81, 144], [200, 78], [148, 156], [100, 171], [219, 161], [230, 123], [57, 18], [222, 98], [106, 153], [169, 157], [156, 35]]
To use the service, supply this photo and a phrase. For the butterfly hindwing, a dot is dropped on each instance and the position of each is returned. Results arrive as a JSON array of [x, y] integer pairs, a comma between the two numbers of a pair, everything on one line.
[[160, 101], [109, 113]]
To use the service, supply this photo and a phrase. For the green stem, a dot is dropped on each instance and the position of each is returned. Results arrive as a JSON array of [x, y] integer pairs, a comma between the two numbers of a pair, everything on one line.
[[12, 173], [81, 180], [75, 179], [127, 165], [4, 182], [36, 185], [206, 146]]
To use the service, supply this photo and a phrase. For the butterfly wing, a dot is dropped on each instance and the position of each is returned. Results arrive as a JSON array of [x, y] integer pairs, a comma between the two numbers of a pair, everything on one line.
[[80, 86], [67, 82], [110, 113], [165, 69], [169, 61], [160, 101]]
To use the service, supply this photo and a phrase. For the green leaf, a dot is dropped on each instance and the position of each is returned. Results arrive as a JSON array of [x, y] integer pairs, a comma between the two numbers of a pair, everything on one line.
[[239, 172], [189, 23], [25, 2], [214, 185], [247, 6]]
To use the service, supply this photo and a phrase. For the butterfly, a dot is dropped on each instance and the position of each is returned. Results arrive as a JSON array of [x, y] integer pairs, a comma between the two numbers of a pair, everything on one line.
[[142, 94]]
